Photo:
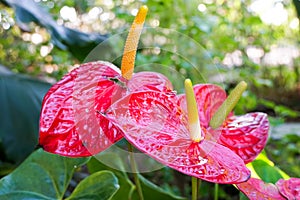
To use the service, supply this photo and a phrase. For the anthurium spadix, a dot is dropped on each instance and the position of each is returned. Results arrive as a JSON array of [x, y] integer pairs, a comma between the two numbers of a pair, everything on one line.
[[157, 125], [71, 123]]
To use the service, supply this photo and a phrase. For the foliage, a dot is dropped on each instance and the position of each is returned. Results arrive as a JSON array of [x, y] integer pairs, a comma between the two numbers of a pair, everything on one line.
[[76, 42], [127, 188], [285, 153], [21, 98], [53, 171]]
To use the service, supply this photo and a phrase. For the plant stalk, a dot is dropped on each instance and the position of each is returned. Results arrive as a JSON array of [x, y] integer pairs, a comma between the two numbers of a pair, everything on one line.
[[135, 173], [216, 196], [195, 188]]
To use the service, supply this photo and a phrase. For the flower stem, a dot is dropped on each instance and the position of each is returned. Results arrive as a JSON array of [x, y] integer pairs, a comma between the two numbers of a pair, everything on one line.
[[195, 188], [135, 173], [216, 196]]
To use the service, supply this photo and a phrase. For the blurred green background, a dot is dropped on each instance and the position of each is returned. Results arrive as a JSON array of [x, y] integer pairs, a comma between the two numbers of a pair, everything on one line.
[[253, 40]]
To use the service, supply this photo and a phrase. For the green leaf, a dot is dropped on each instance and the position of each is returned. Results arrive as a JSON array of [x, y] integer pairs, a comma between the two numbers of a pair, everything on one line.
[[152, 191], [243, 197], [21, 99], [266, 170], [78, 43], [126, 186], [100, 185], [41, 176]]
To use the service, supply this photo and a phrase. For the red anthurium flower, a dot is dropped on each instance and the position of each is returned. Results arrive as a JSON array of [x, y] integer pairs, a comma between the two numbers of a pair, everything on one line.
[[246, 135], [155, 124], [71, 123], [289, 188], [256, 189]]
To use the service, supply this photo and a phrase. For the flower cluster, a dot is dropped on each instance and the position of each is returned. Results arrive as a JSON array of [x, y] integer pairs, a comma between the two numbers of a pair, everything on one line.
[[196, 133]]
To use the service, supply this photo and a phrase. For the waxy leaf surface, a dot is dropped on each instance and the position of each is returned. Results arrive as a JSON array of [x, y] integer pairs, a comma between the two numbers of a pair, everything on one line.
[[99, 185], [71, 123], [127, 189], [256, 189], [41, 176], [246, 135], [155, 124], [20, 104]]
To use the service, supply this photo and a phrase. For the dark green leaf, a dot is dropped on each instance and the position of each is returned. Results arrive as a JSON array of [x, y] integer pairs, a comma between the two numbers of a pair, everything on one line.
[[243, 197], [100, 185], [152, 191], [41, 176], [78, 43], [20, 104], [127, 189], [126, 186]]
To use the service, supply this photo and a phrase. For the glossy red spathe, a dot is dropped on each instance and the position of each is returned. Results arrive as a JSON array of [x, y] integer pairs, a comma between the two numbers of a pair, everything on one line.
[[155, 124], [246, 135], [289, 188], [71, 123], [256, 189]]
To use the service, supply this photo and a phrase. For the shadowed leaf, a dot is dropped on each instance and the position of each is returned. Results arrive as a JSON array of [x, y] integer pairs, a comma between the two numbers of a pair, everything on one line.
[[20, 104], [40, 176], [99, 185], [78, 43]]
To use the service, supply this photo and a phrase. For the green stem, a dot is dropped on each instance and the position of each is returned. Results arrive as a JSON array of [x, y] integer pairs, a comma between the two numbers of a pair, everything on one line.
[[135, 173], [216, 196], [195, 188]]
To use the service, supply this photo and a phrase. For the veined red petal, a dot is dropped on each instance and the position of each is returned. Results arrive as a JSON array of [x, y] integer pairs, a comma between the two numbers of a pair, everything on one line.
[[246, 135], [256, 189], [144, 81], [59, 131], [289, 188], [209, 97], [71, 123], [155, 124]]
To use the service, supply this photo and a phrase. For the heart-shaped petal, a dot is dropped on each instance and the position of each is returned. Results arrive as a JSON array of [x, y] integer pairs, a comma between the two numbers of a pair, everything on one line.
[[209, 97], [155, 124], [246, 135], [58, 128], [289, 188], [70, 123], [144, 81], [256, 189]]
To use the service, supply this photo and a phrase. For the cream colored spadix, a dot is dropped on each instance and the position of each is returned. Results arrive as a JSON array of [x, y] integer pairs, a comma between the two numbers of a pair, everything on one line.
[[193, 117], [131, 44], [227, 106]]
